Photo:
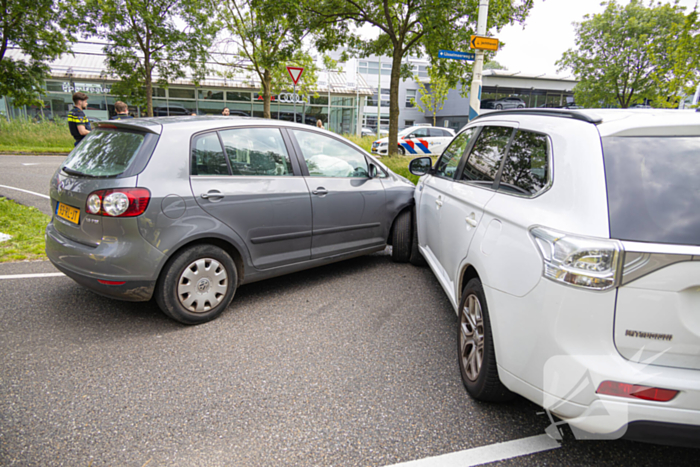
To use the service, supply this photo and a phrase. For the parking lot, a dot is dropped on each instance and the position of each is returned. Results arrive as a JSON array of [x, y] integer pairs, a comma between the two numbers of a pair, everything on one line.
[[349, 364]]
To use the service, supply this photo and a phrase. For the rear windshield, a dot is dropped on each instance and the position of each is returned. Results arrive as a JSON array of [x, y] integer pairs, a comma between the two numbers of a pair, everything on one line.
[[654, 189], [105, 153]]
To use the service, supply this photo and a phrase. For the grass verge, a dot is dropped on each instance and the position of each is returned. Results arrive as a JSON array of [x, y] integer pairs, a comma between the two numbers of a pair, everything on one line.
[[26, 225], [26, 136]]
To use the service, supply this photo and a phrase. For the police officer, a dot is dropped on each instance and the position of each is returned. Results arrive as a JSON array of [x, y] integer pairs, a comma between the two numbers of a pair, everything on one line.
[[122, 111], [78, 123]]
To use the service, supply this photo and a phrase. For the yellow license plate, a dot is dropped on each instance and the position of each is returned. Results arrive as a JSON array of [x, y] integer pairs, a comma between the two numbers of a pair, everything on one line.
[[68, 213]]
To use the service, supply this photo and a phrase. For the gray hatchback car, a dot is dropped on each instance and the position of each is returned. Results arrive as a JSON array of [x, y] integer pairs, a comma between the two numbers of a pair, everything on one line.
[[187, 209]]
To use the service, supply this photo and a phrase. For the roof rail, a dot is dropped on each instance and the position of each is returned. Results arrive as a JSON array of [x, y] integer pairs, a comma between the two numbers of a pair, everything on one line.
[[563, 113]]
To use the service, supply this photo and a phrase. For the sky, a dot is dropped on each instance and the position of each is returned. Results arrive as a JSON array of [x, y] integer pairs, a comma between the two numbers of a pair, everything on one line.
[[548, 33]]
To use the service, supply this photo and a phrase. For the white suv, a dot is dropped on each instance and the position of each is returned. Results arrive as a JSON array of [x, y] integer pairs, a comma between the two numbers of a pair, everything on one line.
[[569, 245], [419, 140]]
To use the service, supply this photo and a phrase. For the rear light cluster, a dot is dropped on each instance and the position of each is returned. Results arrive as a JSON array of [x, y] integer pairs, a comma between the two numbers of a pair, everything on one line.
[[591, 263], [635, 391], [118, 202]]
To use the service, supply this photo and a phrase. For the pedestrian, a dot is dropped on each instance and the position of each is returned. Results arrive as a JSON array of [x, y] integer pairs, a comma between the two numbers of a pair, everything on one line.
[[78, 123], [122, 111], [319, 123], [226, 112]]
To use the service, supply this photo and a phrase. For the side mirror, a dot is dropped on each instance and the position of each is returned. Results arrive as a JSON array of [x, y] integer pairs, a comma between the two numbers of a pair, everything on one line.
[[372, 171], [420, 166], [411, 136]]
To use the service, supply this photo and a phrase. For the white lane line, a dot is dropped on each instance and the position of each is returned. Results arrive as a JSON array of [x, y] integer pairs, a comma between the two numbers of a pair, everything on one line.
[[32, 276], [30, 163], [487, 454], [25, 191]]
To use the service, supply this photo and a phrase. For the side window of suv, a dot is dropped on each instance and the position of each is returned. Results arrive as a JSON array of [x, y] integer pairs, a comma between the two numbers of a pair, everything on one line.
[[485, 158], [446, 166], [526, 169], [207, 156]]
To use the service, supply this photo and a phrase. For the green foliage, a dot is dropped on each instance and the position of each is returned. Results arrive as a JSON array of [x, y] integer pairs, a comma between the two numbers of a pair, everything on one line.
[[408, 27], [628, 54], [151, 37], [267, 36], [494, 65], [26, 225], [41, 30], [25, 135], [433, 99]]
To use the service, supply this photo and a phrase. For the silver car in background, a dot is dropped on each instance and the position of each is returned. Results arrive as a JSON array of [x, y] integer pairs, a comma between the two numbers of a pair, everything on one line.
[[187, 209]]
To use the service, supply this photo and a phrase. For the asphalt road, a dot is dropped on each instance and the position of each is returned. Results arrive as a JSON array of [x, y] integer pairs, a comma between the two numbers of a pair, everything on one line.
[[30, 173], [348, 364]]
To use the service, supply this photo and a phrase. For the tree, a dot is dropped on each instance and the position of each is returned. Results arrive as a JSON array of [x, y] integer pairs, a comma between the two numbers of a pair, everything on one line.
[[407, 27], [625, 54], [494, 65], [433, 99], [149, 37], [39, 29], [267, 37]]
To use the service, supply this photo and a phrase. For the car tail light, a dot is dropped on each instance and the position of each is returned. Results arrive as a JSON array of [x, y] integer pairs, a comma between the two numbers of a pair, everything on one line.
[[111, 282], [634, 391], [118, 202], [591, 263]]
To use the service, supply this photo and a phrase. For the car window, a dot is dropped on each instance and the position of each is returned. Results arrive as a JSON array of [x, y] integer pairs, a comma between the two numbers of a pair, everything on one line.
[[208, 156], [105, 153], [446, 166], [525, 171], [256, 151], [485, 158], [420, 133], [436, 132], [328, 157]]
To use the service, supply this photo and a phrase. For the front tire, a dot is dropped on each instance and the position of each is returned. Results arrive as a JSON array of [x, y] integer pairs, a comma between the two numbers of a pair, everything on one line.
[[402, 151], [477, 358], [401, 237], [499, 107], [197, 285]]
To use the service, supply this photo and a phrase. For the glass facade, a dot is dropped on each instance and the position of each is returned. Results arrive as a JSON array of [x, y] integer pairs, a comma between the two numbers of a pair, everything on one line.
[[181, 100], [531, 97]]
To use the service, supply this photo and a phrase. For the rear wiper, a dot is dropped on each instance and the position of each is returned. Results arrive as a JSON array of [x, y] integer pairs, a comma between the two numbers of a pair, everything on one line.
[[72, 171]]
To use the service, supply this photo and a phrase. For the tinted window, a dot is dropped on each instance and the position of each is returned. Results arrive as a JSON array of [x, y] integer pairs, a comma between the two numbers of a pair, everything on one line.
[[420, 133], [485, 158], [525, 171], [446, 166], [654, 189], [327, 157], [207, 156], [105, 153], [256, 151], [436, 132]]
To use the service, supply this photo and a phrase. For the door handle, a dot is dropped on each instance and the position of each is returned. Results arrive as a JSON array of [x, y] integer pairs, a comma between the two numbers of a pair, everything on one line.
[[471, 220], [212, 195], [320, 191], [438, 202]]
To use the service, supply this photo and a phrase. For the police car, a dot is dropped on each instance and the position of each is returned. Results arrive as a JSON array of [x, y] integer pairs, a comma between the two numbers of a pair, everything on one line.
[[417, 140]]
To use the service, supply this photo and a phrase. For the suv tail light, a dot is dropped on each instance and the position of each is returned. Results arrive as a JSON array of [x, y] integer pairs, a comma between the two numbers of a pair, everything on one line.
[[591, 263], [118, 202]]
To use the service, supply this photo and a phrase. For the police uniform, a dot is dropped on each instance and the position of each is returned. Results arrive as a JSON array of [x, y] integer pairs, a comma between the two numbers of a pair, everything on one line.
[[121, 117], [77, 117]]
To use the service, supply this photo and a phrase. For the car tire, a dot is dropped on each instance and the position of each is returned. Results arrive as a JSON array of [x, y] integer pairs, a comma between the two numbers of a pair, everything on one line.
[[499, 107], [416, 257], [194, 302], [520, 106], [477, 358], [401, 151], [401, 237]]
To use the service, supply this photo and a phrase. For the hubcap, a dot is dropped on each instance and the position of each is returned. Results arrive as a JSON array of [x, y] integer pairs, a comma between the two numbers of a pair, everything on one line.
[[202, 285], [471, 337]]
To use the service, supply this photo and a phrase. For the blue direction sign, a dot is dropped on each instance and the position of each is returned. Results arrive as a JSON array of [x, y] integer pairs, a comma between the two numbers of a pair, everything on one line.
[[456, 55]]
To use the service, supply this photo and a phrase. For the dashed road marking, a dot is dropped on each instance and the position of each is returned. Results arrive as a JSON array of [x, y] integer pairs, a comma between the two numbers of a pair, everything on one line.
[[24, 191], [487, 454], [31, 276]]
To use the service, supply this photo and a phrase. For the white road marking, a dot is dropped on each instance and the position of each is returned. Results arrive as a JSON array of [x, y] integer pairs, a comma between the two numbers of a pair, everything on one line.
[[487, 454], [30, 163], [32, 276], [24, 191]]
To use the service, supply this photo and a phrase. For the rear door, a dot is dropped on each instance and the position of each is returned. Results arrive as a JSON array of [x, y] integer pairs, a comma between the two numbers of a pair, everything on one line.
[[418, 142], [246, 178], [349, 207]]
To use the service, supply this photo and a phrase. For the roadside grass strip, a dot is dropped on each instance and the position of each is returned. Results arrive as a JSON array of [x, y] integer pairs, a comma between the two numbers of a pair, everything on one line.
[[487, 454], [28, 136], [26, 226]]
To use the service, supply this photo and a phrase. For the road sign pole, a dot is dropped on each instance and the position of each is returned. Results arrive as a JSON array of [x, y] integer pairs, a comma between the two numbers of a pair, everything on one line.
[[475, 94], [295, 102]]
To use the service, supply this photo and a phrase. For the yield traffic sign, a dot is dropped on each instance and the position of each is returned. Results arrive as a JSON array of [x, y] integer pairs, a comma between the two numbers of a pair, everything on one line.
[[484, 43], [295, 72]]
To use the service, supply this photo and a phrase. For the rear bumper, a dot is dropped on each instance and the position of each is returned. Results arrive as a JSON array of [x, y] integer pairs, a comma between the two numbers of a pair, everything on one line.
[[129, 259]]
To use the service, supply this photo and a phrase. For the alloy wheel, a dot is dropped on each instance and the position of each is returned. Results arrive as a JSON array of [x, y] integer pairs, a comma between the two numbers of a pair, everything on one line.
[[471, 337]]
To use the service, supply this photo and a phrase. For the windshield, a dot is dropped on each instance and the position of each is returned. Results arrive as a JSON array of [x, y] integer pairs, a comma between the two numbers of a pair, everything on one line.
[[104, 153], [654, 189]]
